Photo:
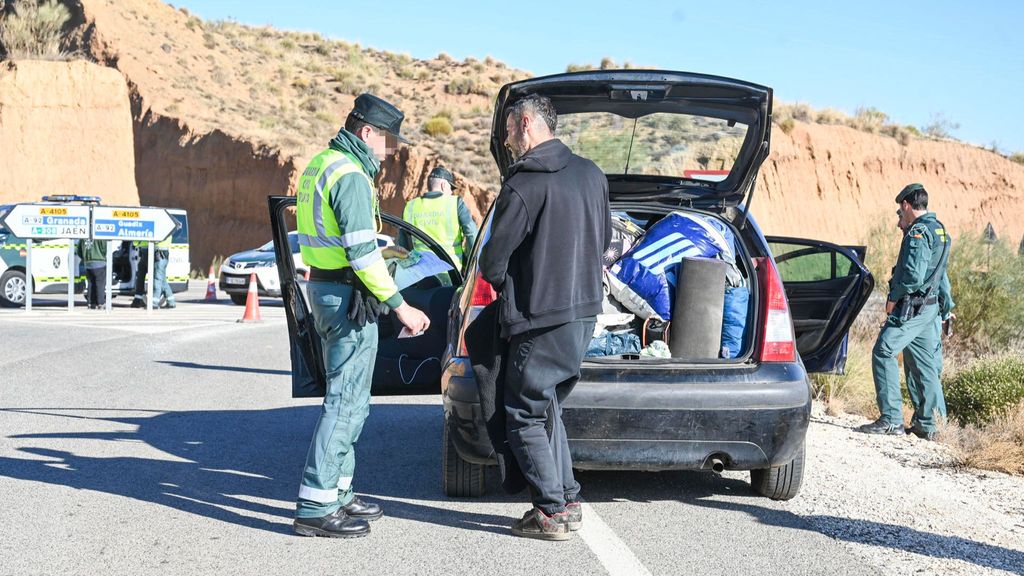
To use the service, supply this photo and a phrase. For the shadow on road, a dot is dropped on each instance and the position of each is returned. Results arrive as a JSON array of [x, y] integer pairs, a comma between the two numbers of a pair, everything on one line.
[[243, 467], [242, 369], [885, 536]]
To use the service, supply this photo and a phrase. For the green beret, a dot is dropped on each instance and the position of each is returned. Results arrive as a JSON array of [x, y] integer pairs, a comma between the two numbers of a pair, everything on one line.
[[907, 190]]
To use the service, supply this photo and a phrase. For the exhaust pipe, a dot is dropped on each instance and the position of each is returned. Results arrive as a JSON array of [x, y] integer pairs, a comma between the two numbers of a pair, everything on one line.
[[716, 463]]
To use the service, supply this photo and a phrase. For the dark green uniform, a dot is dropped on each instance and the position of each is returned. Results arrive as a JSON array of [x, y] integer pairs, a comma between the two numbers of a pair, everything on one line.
[[919, 338]]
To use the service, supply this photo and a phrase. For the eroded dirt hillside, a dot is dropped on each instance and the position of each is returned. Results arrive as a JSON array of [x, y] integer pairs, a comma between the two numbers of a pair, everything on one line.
[[65, 128], [836, 183]]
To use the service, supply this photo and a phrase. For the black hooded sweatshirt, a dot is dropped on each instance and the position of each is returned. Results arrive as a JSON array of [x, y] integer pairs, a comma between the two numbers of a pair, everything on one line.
[[551, 225]]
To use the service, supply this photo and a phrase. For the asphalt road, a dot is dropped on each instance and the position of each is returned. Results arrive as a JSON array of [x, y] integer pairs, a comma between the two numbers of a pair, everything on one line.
[[135, 443]]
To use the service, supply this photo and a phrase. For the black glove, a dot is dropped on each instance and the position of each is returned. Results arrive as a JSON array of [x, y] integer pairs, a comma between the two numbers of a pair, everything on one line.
[[365, 307], [357, 308]]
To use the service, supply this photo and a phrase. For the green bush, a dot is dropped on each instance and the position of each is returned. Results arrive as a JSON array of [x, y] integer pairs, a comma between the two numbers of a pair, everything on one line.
[[34, 31], [438, 126], [985, 390], [986, 280]]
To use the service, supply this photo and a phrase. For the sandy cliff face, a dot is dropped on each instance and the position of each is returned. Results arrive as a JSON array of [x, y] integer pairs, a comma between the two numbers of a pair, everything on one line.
[[836, 183], [65, 128]]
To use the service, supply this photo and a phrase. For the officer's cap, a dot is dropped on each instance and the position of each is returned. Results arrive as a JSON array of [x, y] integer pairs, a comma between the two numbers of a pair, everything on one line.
[[380, 113], [444, 174], [907, 191]]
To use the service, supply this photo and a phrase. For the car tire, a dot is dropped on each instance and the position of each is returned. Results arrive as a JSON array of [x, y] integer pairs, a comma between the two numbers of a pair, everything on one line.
[[12, 289], [459, 478], [780, 482], [239, 298]]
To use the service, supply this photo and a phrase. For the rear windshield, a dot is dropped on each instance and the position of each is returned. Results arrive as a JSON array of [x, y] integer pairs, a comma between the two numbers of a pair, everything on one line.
[[661, 144]]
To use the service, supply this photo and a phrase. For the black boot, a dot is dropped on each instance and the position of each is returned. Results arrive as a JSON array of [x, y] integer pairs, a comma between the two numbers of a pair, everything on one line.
[[336, 525], [361, 510]]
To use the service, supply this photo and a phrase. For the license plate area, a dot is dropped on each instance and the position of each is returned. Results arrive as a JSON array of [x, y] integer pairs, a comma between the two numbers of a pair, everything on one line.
[[234, 280]]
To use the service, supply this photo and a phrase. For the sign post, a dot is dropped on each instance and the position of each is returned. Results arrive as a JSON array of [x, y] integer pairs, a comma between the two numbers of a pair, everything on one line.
[[110, 266], [148, 225], [28, 276], [48, 222], [72, 275]]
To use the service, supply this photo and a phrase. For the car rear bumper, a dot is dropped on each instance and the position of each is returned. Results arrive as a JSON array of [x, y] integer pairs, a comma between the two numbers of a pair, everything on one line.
[[233, 283], [660, 418]]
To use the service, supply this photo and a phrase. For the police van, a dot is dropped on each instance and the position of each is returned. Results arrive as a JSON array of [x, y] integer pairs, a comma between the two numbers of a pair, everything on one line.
[[49, 263], [49, 266]]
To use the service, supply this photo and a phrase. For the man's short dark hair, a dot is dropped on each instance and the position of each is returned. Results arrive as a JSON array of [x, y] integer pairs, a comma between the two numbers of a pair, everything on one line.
[[918, 199], [354, 125], [537, 105]]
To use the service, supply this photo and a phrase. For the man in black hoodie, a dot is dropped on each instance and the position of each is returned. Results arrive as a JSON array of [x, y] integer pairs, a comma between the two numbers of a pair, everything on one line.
[[551, 225]]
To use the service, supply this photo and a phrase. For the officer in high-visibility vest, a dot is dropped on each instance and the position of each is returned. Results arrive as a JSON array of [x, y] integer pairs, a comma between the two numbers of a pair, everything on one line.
[[442, 216], [919, 299], [338, 221]]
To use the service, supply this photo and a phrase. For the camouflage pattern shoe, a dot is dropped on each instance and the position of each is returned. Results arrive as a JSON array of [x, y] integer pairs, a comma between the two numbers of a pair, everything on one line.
[[537, 524]]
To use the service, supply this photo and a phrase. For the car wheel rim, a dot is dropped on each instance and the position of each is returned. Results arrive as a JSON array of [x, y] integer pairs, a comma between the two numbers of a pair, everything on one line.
[[14, 290]]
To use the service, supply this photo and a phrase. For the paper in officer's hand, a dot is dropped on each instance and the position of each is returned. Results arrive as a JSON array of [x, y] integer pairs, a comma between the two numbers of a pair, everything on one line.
[[406, 333]]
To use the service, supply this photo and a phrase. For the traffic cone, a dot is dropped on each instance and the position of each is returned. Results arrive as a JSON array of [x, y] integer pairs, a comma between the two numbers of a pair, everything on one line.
[[211, 287], [252, 302], [308, 269]]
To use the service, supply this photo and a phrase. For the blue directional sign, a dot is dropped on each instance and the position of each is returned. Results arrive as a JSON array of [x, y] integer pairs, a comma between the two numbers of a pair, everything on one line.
[[131, 223]]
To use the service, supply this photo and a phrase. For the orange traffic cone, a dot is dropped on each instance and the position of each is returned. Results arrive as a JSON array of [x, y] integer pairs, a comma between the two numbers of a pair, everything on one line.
[[252, 302], [307, 274], [211, 287]]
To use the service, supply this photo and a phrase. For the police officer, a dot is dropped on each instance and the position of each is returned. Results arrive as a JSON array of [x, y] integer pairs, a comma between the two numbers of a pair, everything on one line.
[[141, 269], [442, 216], [93, 254], [918, 298], [162, 292], [338, 220]]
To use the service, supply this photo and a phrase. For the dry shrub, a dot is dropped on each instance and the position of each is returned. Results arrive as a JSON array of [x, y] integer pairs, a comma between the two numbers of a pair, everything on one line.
[[868, 120], [438, 126], [787, 125], [33, 32], [830, 116], [997, 446]]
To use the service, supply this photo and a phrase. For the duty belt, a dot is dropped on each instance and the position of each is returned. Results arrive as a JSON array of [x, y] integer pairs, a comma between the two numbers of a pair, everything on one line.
[[341, 275]]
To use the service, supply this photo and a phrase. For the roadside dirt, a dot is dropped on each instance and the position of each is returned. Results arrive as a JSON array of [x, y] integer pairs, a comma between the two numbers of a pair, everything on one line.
[[904, 508]]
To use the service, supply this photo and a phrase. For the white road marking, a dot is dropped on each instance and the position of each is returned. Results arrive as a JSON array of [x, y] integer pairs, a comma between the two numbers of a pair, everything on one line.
[[612, 552]]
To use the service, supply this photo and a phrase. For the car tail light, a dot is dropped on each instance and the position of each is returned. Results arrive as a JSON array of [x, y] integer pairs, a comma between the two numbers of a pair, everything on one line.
[[483, 294], [777, 341]]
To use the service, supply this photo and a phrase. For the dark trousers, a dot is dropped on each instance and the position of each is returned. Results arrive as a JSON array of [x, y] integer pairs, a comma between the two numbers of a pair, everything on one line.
[[140, 275], [544, 366], [97, 291]]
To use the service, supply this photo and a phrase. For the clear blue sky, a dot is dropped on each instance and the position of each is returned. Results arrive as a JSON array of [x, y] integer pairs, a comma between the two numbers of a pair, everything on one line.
[[911, 59]]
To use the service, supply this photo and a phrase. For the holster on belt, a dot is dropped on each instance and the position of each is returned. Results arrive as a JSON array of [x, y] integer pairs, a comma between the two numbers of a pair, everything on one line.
[[365, 307]]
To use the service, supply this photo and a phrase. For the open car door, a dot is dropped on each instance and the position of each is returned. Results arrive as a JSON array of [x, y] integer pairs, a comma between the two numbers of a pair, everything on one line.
[[404, 366], [826, 285]]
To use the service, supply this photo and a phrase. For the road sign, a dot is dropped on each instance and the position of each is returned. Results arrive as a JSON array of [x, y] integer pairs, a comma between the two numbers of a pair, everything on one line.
[[990, 234], [128, 223], [48, 221]]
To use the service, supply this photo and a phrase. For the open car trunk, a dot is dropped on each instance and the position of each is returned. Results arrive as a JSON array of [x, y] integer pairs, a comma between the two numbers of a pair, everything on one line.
[[723, 301]]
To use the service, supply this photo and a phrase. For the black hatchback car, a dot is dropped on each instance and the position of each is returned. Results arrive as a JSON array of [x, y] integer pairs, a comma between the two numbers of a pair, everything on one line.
[[668, 142]]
